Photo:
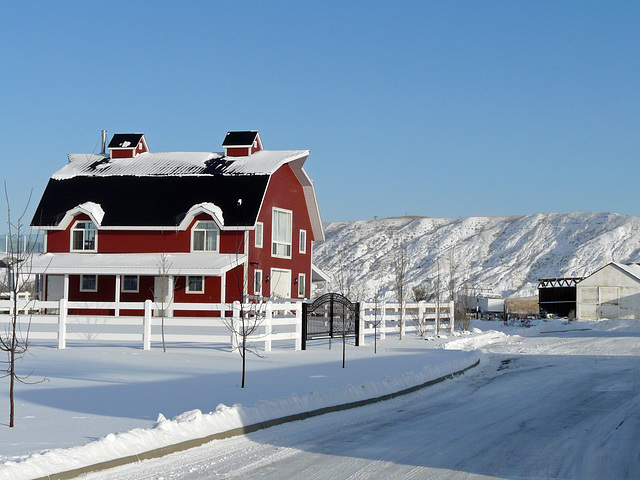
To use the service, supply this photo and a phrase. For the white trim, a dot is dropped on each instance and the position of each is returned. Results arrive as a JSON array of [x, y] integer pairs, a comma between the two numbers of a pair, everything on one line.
[[261, 245], [195, 228], [271, 281], [88, 289], [273, 232], [82, 250], [302, 246], [255, 276], [137, 290], [186, 285], [302, 280]]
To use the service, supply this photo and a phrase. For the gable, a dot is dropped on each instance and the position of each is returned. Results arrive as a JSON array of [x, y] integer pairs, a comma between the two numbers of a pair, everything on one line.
[[131, 201], [612, 275]]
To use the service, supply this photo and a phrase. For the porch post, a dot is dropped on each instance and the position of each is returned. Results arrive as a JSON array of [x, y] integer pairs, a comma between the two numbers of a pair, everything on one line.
[[117, 297], [65, 290]]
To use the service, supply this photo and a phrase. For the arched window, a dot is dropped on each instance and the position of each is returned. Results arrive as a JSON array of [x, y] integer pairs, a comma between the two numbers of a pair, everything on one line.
[[83, 237], [205, 237]]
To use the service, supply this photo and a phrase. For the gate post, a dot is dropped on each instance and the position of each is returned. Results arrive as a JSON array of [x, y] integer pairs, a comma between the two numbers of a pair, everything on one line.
[[304, 325], [359, 324], [62, 324]]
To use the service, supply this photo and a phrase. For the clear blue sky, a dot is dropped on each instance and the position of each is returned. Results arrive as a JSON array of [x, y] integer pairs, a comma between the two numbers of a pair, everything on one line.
[[442, 109]]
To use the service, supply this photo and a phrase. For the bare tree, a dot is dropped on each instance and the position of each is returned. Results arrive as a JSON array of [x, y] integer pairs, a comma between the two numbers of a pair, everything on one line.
[[400, 270], [377, 294], [165, 299], [14, 340], [251, 314]]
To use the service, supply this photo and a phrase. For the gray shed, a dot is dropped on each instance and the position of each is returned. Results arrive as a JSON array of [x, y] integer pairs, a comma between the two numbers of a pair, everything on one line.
[[613, 291]]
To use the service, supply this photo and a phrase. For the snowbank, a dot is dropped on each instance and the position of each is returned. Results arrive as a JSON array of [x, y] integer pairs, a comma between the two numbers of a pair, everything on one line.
[[194, 424]]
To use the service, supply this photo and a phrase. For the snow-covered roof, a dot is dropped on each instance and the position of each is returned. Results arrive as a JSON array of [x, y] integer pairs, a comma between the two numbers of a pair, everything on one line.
[[632, 269], [196, 263], [264, 162]]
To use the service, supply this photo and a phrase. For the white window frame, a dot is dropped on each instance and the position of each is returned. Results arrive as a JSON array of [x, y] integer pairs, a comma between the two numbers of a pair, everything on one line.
[[287, 243], [259, 235], [82, 289], [187, 287], [122, 284], [274, 283], [83, 230], [302, 285], [205, 230], [257, 282], [302, 242]]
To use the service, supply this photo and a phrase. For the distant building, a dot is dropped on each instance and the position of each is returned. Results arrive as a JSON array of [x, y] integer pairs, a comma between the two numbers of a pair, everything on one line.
[[557, 295], [613, 291]]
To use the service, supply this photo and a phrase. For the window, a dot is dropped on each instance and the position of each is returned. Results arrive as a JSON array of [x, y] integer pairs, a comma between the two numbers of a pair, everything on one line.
[[205, 237], [302, 290], [195, 284], [88, 283], [83, 237], [280, 283], [129, 283], [259, 235], [303, 241], [281, 233], [257, 282]]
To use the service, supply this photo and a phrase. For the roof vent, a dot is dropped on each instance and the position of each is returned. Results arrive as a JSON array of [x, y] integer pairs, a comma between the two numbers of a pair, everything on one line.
[[127, 145], [242, 144]]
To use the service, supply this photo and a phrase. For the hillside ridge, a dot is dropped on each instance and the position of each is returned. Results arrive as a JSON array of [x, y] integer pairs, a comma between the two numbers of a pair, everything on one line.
[[505, 255]]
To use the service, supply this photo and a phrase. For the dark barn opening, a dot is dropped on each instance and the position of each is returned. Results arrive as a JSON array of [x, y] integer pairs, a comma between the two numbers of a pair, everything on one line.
[[557, 296]]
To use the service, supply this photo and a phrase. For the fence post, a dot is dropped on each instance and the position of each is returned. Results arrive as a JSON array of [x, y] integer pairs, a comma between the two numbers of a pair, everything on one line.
[[146, 328], [452, 315], [303, 339], [268, 315], [235, 320], [403, 320], [299, 325], [422, 321], [437, 318], [383, 321], [361, 324], [62, 324]]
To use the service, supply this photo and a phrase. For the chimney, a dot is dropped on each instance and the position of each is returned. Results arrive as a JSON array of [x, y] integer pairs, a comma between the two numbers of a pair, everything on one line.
[[104, 142]]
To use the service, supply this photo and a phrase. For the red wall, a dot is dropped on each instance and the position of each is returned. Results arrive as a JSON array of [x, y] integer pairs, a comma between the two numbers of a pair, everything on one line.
[[128, 153], [144, 241], [284, 191]]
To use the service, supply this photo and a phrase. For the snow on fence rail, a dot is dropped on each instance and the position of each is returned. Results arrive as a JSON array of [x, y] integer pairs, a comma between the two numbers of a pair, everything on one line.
[[51, 321], [416, 315]]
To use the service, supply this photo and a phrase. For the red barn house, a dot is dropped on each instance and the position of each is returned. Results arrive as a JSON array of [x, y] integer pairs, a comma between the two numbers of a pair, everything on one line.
[[121, 225]]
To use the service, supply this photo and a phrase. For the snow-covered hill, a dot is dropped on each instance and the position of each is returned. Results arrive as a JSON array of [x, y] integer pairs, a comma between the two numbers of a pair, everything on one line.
[[503, 255]]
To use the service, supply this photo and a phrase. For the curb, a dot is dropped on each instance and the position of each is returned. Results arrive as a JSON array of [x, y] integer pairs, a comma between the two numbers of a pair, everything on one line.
[[196, 442]]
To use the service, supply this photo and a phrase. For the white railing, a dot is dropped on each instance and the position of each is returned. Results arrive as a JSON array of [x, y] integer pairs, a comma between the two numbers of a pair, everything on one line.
[[392, 317], [52, 321]]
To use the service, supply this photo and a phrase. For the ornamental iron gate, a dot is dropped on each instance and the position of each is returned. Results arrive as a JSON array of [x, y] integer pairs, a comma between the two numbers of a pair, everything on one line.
[[331, 315]]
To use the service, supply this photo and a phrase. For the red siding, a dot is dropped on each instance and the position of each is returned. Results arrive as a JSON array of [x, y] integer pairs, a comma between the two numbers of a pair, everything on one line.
[[284, 192], [212, 288], [237, 152], [127, 153]]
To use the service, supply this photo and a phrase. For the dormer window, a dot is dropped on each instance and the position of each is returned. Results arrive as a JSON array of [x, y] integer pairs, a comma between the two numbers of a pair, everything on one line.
[[83, 237], [205, 237]]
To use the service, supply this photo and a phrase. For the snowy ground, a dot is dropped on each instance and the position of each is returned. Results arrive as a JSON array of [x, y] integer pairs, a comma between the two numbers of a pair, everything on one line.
[[551, 393]]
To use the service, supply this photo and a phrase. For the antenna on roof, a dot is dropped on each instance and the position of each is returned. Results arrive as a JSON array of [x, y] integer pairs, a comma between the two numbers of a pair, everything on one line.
[[104, 142]]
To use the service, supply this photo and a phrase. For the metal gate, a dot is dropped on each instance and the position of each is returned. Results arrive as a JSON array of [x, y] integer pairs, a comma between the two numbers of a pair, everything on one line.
[[331, 315]]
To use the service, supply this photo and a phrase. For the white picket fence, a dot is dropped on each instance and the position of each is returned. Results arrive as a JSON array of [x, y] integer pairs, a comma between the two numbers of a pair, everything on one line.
[[392, 317], [51, 321], [280, 322]]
